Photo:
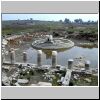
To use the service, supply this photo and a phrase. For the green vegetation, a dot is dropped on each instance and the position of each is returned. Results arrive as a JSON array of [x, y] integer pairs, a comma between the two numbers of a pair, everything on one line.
[[58, 77], [88, 45], [16, 27], [55, 79], [70, 29], [88, 31], [80, 29], [26, 74], [83, 82]]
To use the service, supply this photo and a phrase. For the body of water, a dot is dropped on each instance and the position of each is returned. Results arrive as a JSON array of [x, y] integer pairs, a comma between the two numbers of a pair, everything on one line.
[[90, 54], [64, 55]]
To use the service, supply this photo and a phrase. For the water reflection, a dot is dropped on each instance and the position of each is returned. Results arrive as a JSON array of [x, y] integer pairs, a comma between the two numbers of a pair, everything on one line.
[[90, 53], [74, 52], [48, 53]]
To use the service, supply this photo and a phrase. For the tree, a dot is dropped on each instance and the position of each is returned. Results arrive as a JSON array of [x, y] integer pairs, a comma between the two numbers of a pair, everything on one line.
[[31, 19], [60, 21], [67, 21], [78, 21]]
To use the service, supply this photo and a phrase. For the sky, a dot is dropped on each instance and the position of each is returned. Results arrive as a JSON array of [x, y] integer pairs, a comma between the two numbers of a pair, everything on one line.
[[50, 17]]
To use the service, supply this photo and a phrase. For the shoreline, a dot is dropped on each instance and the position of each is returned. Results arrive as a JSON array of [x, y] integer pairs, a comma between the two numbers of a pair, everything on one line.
[[84, 43]]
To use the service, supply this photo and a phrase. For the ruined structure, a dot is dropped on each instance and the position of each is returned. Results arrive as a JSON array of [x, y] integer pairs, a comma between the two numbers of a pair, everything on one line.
[[52, 43]]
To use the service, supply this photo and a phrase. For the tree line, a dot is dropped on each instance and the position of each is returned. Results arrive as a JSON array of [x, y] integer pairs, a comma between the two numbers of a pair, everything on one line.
[[78, 21]]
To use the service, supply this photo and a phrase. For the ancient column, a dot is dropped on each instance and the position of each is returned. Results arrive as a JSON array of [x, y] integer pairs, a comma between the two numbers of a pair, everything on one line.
[[87, 65], [39, 58], [70, 63], [3, 53], [54, 58], [24, 56], [12, 57], [3, 58]]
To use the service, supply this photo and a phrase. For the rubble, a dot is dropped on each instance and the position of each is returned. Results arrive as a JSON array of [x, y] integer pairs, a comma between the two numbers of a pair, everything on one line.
[[23, 81], [16, 84], [44, 84], [88, 80], [80, 64], [61, 75], [5, 81], [34, 85]]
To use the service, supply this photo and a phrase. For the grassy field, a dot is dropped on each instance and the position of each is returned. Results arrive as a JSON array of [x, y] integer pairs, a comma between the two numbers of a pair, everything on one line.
[[57, 28]]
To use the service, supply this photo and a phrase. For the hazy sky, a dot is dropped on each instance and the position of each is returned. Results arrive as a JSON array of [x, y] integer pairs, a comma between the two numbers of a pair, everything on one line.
[[50, 17]]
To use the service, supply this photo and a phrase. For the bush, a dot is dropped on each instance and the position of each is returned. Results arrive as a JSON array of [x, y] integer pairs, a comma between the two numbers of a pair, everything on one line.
[[70, 29]]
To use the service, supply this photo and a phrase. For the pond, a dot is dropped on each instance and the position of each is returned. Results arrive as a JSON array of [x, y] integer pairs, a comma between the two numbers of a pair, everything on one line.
[[62, 57]]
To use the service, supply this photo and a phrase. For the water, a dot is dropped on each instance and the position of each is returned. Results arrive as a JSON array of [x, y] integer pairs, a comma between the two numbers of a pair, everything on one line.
[[63, 56]]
